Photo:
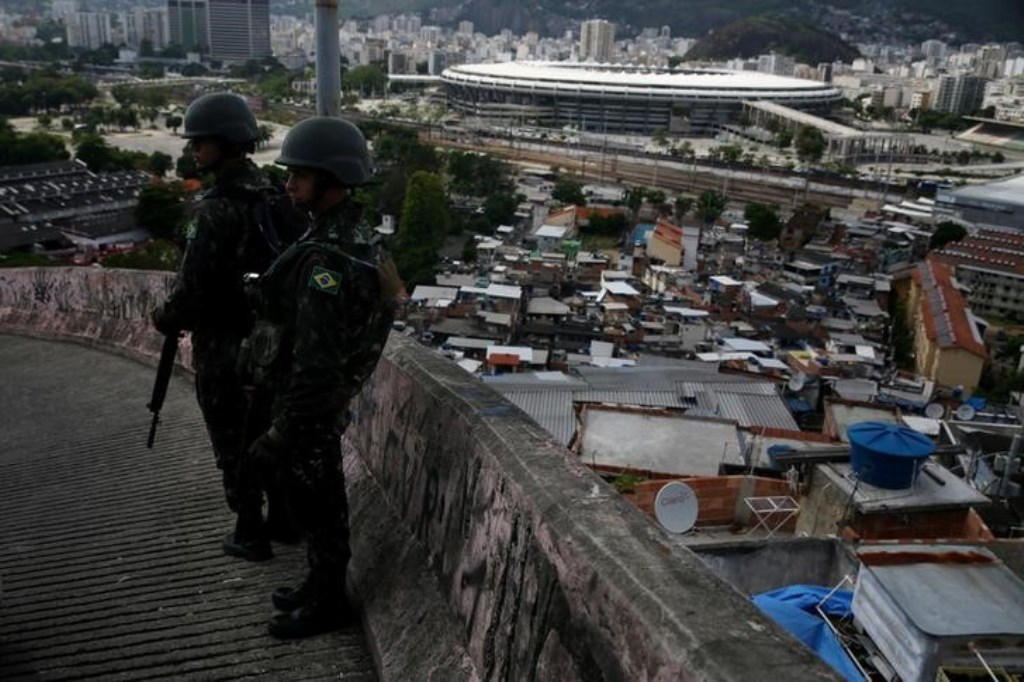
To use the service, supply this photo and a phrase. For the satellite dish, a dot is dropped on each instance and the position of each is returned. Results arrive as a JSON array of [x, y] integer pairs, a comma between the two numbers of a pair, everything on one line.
[[675, 507], [934, 411], [796, 383], [965, 413]]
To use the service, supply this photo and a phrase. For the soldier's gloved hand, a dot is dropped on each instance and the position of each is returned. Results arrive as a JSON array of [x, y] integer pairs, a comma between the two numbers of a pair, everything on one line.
[[270, 450], [165, 322]]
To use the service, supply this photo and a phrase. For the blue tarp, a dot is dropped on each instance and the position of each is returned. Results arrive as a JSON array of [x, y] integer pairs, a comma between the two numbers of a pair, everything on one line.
[[793, 608]]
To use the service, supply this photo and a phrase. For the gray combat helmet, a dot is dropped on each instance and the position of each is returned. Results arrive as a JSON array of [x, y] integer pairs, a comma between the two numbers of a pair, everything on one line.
[[329, 144], [222, 115]]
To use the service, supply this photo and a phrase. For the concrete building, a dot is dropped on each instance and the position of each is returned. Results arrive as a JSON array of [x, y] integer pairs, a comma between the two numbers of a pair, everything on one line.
[[597, 37], [239, 29], [991, 265], [948, 344], [146, 23], [188, 24], [89, 30], [960, 94], [776, 64], [994, 204]]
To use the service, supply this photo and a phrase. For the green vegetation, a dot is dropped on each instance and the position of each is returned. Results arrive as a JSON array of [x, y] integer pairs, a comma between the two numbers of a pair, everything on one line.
[[424, 224], [763, 220], [809, 143], [946, 232], [23, 91], [477, 175], [161, 210], [23, 148], [365, 80], [760, 35], [710, 205], [20, 259], [902, 333], [568, 191], [100, 157], [626, 482]]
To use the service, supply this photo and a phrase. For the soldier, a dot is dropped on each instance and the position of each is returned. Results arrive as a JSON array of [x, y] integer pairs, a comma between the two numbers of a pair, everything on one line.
[[323, 311], [208, 299]]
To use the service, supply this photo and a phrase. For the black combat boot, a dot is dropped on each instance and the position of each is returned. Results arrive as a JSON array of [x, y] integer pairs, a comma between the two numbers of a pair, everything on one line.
[[290, 598], [249, 541], [324, 609]]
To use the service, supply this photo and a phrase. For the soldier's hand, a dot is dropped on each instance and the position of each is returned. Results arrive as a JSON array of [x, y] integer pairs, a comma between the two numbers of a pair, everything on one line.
[[269, 450], [165, 322]]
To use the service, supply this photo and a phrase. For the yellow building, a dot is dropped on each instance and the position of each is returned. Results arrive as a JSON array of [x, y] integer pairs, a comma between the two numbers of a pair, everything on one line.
[[948, 344]]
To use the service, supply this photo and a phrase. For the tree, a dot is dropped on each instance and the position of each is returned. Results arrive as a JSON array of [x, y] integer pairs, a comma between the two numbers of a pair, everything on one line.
[[173, 122], [36, 147], [810, 144], [185, 166], [681, 206], [424, 224], [100, 157], [194, 69], [45, 121], [264, 134], [500, 208], [946, 232], [161, 210], [783, 139], [367, 80], [634, 200], [763, 221], [568, 191], [160, 163], [710, 205]]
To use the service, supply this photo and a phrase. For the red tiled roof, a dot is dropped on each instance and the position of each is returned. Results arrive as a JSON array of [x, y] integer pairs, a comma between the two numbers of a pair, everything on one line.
[[944, 310], [587, 212], [989, 249], [669, 234]]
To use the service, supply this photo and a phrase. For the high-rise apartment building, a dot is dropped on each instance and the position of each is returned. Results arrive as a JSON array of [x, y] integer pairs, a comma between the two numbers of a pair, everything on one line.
[[89, 30], [146, 23], [960, 94], [597, 37], [239, 29], [188, 23]]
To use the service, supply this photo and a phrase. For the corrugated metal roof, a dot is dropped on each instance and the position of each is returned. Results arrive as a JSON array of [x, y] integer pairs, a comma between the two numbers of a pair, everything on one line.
[[756, 410], [651, 398], [552, 410]]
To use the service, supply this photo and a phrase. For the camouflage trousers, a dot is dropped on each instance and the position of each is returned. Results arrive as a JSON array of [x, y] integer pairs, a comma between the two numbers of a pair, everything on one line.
[[314, 487], [233, 422]]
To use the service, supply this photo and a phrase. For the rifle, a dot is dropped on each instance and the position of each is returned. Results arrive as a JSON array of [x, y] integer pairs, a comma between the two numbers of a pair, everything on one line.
[[163, 378]]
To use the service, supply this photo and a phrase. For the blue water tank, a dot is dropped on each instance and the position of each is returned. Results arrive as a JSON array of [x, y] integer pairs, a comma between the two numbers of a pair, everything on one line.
[[886, 455]]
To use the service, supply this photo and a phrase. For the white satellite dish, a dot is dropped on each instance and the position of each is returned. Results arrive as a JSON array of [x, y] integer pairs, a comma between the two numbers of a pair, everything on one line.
[[675, 507], [934, 411], [797, 382], [965, 413]]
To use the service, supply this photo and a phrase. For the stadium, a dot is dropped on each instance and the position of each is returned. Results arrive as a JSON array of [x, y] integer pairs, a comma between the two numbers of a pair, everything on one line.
[[622, 99]]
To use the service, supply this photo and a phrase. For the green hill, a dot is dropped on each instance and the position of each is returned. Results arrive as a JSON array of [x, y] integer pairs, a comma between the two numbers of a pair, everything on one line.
[[760, 35]]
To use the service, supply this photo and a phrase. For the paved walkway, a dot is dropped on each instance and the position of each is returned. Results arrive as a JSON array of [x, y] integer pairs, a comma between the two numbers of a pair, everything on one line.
[[110, 556]]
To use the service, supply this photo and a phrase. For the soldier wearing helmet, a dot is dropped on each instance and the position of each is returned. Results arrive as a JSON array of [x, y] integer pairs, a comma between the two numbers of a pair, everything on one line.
[[323, 311], [209, 300]]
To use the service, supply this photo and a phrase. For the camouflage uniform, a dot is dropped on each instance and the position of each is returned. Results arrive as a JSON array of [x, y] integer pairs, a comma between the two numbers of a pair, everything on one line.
[[209, 299], [321, 324]]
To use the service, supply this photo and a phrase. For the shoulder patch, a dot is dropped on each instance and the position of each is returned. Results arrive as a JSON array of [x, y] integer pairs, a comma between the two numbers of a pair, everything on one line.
[[325, 280], [190, 230]]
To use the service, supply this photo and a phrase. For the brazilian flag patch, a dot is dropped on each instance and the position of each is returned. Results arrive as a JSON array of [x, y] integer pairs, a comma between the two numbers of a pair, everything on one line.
[[325, 280]]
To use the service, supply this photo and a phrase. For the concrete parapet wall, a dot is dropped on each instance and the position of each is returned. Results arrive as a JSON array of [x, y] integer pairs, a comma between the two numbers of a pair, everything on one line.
[[98, 306], [551, 574], [545, 572]]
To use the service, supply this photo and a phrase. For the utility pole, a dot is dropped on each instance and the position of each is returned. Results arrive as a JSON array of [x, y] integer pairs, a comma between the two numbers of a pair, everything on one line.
[[328, 59]]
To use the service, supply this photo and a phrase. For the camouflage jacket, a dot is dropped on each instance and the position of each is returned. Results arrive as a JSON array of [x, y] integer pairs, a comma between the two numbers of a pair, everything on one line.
[[322, 320], [208, 297]]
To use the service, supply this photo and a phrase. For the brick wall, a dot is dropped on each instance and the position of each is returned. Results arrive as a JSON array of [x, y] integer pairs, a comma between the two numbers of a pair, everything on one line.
[[719, 498]]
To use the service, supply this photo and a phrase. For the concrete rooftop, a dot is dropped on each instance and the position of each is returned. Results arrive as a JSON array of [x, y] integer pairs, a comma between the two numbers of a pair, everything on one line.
[[110, 554]]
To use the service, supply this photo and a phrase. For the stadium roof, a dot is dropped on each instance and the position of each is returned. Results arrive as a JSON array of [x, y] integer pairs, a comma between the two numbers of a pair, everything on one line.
[[1009, 191], [574, 75]]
